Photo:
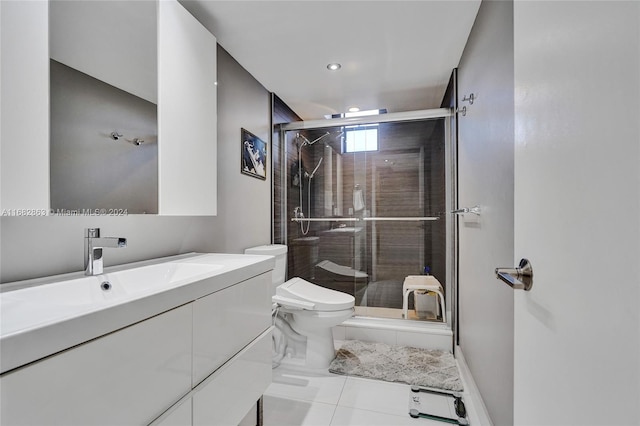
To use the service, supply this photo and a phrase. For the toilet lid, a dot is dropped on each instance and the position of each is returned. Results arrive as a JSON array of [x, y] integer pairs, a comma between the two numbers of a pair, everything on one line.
[[324, 299]]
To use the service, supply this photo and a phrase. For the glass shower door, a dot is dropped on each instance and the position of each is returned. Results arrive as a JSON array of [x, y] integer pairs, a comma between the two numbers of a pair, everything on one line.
[[406, 225], [397, 242], [372, 211]]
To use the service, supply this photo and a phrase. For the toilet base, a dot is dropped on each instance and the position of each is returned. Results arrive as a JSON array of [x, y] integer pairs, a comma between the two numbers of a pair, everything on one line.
[[312, 349], [298, 357], [320, 349]]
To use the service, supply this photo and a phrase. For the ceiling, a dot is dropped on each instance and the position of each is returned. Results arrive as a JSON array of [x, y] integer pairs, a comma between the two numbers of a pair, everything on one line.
[[396, 55]]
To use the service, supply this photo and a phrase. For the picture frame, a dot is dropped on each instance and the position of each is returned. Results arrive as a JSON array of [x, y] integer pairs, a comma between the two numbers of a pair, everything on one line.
[[253, 155]]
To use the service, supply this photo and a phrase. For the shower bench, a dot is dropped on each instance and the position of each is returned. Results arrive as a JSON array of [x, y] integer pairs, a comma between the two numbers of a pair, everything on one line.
[[422, 282]]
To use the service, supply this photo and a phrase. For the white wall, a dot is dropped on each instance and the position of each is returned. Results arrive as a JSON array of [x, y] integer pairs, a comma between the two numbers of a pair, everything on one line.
[[485, 178], [39, 246]]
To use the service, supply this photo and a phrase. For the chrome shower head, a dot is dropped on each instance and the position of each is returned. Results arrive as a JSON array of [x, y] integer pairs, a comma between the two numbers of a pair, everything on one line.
[[305, 141]]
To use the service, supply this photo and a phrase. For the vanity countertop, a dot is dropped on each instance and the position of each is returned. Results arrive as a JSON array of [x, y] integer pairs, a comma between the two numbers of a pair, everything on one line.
[[41, 317]]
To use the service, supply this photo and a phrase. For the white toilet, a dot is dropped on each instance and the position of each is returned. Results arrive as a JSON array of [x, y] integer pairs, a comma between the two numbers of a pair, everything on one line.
[[307, 310]]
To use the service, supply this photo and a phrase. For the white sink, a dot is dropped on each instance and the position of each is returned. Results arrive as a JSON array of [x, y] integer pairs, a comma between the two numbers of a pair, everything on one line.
[[39, 320], [37, 306], [154, 277]]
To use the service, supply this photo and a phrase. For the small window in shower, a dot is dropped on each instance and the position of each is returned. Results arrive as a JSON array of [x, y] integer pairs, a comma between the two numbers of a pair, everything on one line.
[[361, 138]]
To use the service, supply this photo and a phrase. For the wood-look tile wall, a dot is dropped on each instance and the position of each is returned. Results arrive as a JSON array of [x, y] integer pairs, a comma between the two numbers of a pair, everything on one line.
[[403, 248], [297, 240]]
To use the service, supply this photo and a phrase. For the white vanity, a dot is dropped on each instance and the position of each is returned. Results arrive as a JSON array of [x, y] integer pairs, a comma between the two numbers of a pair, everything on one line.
[[182, 341]]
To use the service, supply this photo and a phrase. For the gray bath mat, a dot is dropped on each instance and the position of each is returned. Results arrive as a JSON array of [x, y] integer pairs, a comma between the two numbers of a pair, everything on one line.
[[423, 367]]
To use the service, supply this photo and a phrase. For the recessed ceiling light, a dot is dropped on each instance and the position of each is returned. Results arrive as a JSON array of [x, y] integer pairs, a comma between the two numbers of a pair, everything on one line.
[[354, 109], [334, 66]]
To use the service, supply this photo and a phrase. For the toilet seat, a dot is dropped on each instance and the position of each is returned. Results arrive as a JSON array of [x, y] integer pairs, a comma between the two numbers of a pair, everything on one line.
[[302, 294]]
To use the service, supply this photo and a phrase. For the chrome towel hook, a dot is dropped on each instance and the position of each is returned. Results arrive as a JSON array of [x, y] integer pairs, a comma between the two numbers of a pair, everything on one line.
[[115, 135], [469, 99]]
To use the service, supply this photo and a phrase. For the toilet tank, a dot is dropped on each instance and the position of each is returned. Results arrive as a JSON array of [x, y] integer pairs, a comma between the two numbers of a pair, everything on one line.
[[279, 251]]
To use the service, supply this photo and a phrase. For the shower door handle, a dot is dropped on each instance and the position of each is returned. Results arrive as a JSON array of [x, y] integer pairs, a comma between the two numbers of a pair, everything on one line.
[[520, 278]]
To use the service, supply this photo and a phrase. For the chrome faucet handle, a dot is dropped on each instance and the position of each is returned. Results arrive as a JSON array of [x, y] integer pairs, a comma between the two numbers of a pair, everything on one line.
[[93, 247]]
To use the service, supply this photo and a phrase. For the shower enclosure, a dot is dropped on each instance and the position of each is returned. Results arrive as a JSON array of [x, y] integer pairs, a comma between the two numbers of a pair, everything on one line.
[[364, 205]]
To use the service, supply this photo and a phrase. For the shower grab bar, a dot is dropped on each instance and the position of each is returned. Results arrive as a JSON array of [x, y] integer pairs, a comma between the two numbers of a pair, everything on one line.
[[402, 219]]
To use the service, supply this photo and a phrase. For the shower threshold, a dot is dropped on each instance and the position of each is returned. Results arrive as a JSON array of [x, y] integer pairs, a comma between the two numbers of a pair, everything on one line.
[[421, 334], [394, 313]]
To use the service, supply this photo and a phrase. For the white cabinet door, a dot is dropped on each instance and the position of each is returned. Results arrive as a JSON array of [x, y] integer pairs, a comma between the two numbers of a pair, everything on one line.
[[226, 321], [187, 111], [227, 395], [127, 377], [577, 204]]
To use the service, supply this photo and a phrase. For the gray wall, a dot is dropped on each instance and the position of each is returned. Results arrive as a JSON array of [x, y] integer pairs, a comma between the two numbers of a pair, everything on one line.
[[40, 246], [245, 214], [486, 177]]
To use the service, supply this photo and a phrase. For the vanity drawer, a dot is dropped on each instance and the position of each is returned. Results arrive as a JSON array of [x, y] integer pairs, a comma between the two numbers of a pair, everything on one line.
[[226, 321], [124, 378], [226, 396]]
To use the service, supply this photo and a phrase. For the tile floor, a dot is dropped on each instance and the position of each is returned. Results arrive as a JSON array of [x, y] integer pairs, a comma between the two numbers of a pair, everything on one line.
[[300, 397]]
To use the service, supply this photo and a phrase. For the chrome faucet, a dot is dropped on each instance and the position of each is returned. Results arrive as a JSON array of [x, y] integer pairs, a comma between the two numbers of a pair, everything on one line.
[[93, 245]]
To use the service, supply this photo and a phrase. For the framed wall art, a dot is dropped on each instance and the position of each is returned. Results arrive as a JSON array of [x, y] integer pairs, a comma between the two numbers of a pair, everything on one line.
[[254, 155]]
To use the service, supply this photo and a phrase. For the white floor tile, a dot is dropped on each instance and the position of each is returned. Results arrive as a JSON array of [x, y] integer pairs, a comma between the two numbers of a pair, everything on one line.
[[306, 385], [376, 395], [288, 412], [345, 416], [303, 397]]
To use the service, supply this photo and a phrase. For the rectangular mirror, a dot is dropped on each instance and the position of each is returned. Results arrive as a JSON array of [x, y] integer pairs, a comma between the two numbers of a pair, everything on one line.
[[103, 106]]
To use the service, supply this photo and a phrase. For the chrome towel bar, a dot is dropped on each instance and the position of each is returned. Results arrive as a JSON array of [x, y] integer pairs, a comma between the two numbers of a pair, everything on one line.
[[403, 219], [366, 219]]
